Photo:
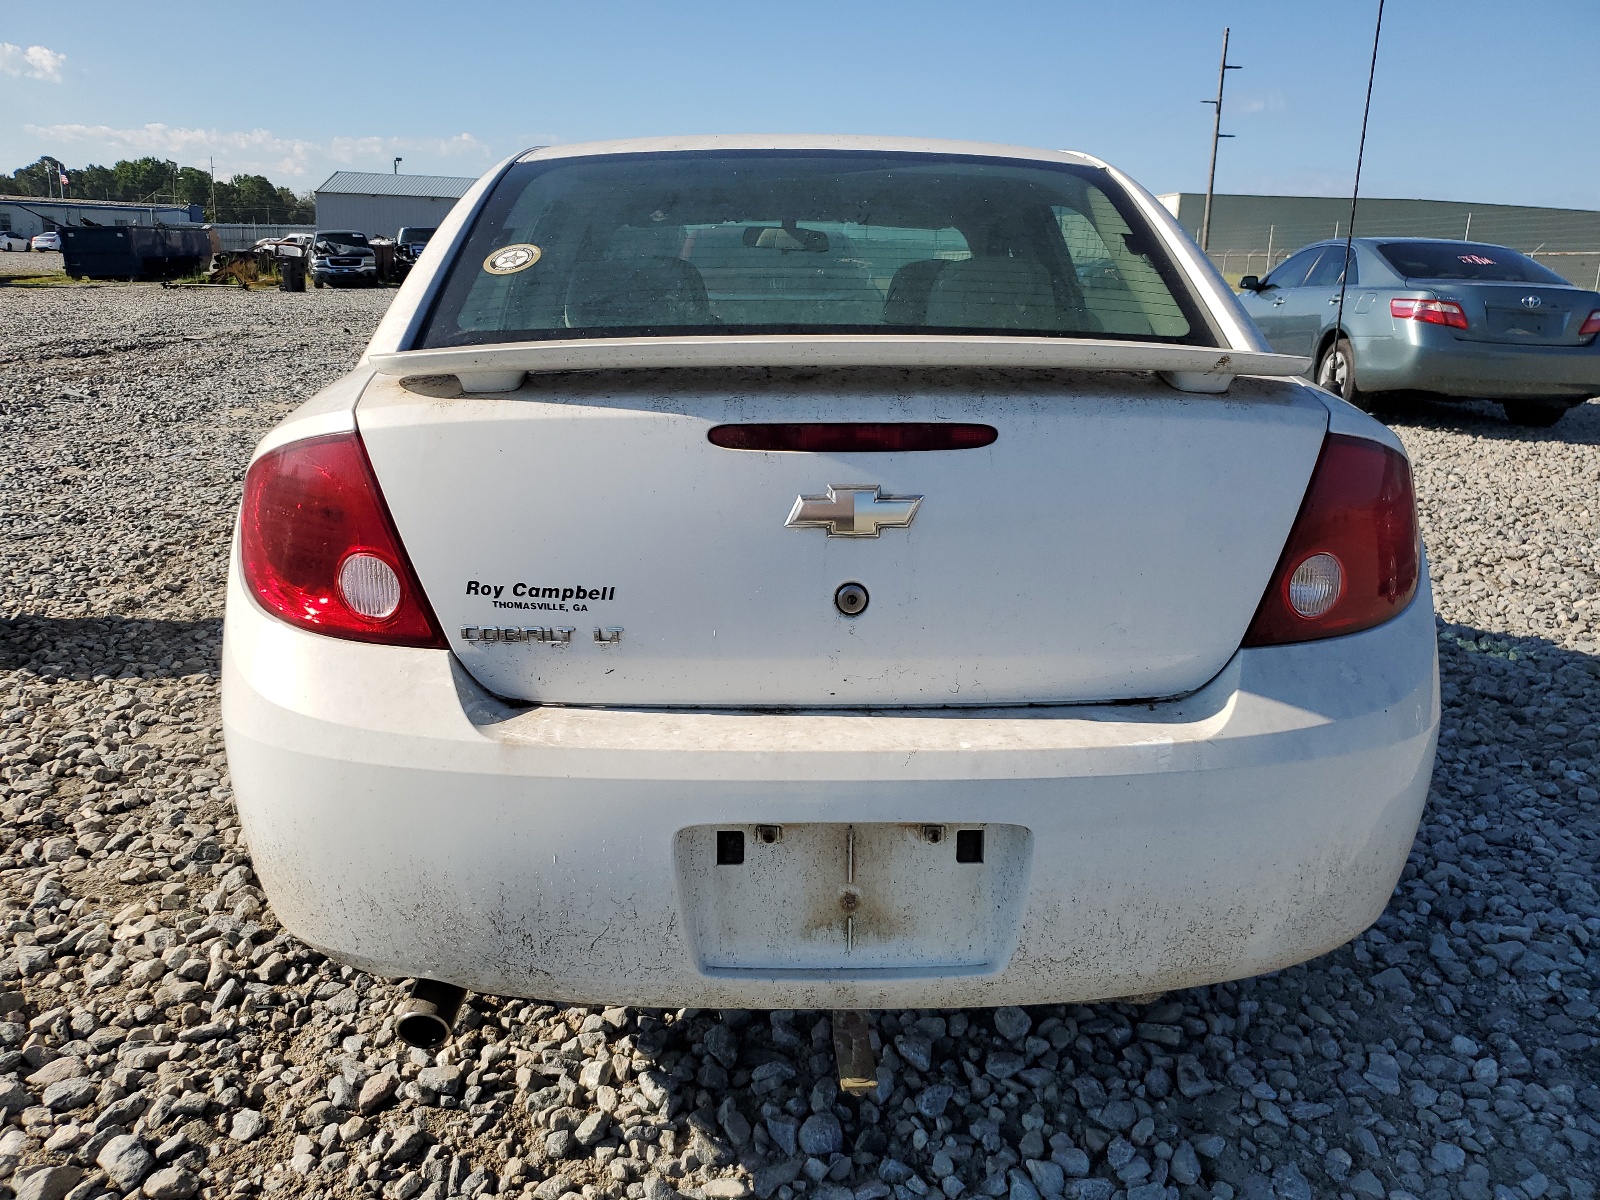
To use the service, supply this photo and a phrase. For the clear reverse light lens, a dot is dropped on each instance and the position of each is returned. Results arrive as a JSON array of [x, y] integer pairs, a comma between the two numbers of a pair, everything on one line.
[[1315, 585], [370, 586]]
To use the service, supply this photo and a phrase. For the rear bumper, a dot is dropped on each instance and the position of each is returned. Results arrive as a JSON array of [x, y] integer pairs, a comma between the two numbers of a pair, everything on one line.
[[402, 820], [1428, 358]]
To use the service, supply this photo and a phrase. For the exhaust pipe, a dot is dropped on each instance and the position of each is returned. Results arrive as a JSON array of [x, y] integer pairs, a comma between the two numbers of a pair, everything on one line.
[[427, 1017]]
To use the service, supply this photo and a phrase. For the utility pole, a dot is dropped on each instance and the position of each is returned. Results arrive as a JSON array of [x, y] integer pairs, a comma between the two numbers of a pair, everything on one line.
[[1216, 135], [397, 163], [213, 173]]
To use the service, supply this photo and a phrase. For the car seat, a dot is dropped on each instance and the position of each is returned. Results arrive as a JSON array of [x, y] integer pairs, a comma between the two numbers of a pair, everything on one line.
[[625, 293], [993, 293], [907, 303]]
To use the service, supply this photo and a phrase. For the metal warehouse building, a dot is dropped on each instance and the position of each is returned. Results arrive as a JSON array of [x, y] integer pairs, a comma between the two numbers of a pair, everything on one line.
[[378, 205], [1249, 234], [26, 216]]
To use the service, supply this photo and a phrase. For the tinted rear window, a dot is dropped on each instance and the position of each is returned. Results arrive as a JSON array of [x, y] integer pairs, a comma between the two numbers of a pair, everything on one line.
[[775, 242], [1464, 260]]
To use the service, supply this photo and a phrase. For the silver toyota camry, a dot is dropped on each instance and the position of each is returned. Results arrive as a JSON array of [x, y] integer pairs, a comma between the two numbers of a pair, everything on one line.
[[1459, 320]]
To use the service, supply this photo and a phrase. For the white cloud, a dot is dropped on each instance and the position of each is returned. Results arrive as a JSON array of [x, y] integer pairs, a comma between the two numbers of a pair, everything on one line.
[[1271, 102], [36, 62], [294, 161]]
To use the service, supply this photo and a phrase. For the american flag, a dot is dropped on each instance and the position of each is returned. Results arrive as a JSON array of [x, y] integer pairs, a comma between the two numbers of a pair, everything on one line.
[[64, 179]]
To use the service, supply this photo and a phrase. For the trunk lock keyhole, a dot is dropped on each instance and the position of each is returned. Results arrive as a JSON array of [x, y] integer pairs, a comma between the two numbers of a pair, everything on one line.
[[851, 599]]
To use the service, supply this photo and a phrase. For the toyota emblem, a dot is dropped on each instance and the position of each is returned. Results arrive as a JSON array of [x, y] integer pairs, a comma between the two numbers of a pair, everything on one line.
[[1531, 302]]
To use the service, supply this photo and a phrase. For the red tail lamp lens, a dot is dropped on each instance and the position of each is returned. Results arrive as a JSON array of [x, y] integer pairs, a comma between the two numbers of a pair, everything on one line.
[[1430, 312], [1592, 325], [854, 437], [1353, 555], [320, 551]]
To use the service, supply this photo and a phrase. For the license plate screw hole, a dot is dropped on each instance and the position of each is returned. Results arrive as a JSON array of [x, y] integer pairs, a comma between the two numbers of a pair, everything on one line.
[[730, 847], [850, 899], [969, 845], [769, 835], [933, 834]]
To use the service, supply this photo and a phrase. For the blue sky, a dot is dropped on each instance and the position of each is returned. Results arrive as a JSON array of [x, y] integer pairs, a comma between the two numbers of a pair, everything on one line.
[[1475, 100]]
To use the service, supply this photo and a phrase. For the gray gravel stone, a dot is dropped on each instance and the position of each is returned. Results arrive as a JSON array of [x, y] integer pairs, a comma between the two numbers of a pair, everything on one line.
[[784, 1131], [1365, 1183], [125, 1161], [1012, 1023], [68, 1094], [1004, 1064], [821, 1135], [58, 1070], [47, 1183], [248, 1124], [1047, 1176], [171, 1183]]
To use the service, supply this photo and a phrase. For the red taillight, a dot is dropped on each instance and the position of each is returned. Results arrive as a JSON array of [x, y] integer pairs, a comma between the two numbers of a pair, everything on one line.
[[1592, 325], [319, 548], [1353, 555], [854, 437], [1430, 312]]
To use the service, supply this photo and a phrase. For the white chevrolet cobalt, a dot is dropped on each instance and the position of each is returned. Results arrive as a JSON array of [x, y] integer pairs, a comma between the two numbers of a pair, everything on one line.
[[825, 573]]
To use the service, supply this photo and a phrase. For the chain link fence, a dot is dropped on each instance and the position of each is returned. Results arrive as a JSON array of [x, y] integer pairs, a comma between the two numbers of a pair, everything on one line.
[[1579, 267], [1252, 234], [246, 234]]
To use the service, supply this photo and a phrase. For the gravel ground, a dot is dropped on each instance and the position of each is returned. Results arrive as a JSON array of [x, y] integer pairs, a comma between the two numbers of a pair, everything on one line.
[[161, 1036], [14, 263]]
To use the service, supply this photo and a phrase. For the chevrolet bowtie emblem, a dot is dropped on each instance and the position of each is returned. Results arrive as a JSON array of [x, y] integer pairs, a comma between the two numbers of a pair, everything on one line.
[[852, 512]]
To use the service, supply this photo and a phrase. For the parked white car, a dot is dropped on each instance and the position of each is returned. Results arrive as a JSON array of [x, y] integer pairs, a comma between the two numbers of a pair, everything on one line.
[[760, 572], [50, 239], [12, 241]]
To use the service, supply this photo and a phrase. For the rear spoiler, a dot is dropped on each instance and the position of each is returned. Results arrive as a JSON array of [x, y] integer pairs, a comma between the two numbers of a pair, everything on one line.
[[500, 367]]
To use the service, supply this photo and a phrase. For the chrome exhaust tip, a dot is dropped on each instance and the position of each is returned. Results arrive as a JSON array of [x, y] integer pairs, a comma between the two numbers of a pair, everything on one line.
[[426, 1018]]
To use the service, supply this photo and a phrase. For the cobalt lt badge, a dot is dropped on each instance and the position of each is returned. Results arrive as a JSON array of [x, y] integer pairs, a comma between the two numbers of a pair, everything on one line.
[[859, 512]]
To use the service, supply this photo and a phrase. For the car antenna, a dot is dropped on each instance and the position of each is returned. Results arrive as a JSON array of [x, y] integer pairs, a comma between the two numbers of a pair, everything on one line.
[[1355, 191]]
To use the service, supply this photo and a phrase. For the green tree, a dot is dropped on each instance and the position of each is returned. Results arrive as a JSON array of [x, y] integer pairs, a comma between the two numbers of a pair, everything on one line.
[[94, 183], [146, 180], [36, 179], [152, 180]]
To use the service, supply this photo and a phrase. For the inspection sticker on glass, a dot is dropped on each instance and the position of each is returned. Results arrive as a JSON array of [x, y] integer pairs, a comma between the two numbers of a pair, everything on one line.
[[508, 260]]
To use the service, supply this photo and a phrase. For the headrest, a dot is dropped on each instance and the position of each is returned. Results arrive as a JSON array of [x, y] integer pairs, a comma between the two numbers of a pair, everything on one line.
[[993, 293], [637, 292]]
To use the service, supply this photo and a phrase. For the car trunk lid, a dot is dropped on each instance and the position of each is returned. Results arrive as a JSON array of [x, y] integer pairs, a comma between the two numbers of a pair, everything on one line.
[[1521, 314], [584, 542]]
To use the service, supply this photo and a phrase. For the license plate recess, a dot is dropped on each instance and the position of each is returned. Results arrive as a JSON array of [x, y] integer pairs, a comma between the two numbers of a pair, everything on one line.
[[853, 897]]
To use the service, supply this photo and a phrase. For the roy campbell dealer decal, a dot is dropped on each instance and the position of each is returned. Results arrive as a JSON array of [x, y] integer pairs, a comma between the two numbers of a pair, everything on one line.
[[535, 597]]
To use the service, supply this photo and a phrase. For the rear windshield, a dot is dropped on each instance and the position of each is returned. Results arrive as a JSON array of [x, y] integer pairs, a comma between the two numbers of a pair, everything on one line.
[[1464, 260], [792, 242]]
